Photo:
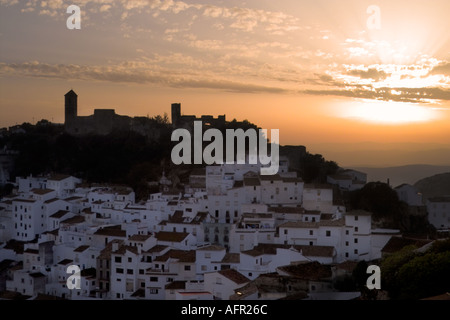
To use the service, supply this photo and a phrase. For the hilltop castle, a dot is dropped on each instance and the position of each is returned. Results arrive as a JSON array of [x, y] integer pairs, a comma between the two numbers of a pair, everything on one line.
[[105, 121]]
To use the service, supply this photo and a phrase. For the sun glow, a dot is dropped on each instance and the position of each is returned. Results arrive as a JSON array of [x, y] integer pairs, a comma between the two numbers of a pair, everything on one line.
[[389, 112]]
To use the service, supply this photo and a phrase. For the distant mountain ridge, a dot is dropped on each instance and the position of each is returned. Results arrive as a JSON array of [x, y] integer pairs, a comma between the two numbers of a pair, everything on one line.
[[402, 174], [437, 185]]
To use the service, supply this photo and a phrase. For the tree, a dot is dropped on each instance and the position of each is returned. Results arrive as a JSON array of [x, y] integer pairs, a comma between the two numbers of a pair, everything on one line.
[[380, 199]]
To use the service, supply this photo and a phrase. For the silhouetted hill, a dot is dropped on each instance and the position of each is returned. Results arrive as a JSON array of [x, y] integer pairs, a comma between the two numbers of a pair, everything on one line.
[[437, 185], [402, 174]]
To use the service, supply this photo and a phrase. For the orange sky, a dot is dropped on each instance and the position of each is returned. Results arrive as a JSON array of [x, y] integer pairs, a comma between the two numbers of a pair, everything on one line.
[[316, 70]]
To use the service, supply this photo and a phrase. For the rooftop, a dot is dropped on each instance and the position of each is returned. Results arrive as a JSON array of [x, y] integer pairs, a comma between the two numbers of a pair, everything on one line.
[[112, 231], [234, 276], [42, 191], [139, 237], [59, 214], [65, 262], [211, 248], [74, 220], [397, 243], [171, 236], [58, 177], [308, 271], [324, 223], [81, 249], [157, 248], [180, 255]]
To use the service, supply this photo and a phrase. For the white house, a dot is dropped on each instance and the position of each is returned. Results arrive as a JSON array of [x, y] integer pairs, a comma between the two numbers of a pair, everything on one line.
[[205, 258], [439, 212], [124, 271], [409, 194], [223, 283]]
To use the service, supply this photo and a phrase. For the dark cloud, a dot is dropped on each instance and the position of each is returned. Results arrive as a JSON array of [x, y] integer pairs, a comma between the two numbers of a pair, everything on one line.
[[372, 73], [443, 68], [131, 73], [325, 79]]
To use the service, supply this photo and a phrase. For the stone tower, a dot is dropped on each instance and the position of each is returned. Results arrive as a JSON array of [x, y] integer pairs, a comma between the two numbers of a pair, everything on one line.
[[71, 105], [176, 113]]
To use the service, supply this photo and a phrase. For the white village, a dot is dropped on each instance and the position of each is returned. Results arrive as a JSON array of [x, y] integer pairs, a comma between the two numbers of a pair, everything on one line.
[[232, 234]]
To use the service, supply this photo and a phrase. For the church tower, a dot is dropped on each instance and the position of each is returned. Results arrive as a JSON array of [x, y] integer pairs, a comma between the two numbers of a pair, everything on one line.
[[71, 105], [176, 114]]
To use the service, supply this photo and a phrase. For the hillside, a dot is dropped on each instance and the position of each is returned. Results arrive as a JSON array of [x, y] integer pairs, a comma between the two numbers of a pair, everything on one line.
[[437, 185], [402, 174]]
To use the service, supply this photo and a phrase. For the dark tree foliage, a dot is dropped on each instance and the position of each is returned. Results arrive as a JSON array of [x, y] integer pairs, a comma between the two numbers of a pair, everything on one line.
[[315, 169], [379, 199], [408, 274], [122, 157], [383, 202], [360, 274]]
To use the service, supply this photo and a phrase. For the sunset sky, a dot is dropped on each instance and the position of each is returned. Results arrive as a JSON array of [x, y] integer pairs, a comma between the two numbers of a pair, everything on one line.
[[315, 70]]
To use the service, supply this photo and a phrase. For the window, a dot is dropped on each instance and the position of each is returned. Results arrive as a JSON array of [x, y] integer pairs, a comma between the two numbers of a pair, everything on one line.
[[153, 279], [346, 232], [153, 291], [129, 271], [142, 284], [311, 232], [207, 255], [328, 233], [346, 254], [118, 259], [356, 218], [187, 268], [250, 274], [356, 251], [356, 229], [311, 243], [169, 279], [356, 240], [346, 243], [217, 213], [118, 295], [204, 268], [119, 270], [306, 218], [285, 231], [130, 259], [141, 271]]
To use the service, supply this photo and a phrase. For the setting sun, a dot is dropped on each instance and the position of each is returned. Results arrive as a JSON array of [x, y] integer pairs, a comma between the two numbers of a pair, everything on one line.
[[393, 113]]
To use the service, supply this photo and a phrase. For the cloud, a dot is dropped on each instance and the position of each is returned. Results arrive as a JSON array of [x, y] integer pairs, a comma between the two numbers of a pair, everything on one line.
[[414, 95], [371, 73], [442, 68], [132, 72]]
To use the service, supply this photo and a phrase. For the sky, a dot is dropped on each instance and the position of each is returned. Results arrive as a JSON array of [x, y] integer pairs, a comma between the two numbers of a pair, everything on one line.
[[330, 75]]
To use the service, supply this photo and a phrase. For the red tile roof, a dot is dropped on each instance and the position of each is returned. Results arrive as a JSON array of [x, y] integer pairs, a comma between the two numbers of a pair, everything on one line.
[[171, 236], [234, 276]]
